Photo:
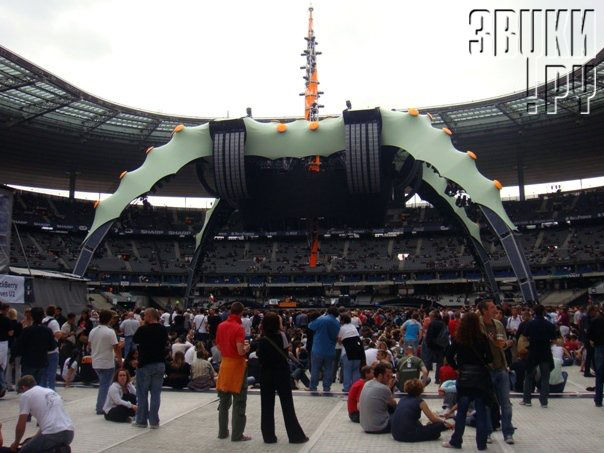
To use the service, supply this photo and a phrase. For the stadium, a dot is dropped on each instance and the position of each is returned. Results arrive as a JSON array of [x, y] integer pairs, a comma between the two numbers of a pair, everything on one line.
[[146, 254], [373, 219]]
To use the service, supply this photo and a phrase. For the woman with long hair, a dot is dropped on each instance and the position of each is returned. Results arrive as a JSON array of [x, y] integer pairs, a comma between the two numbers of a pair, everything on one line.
[[470, 354], [275, 377], [120, 404], [177, 372]]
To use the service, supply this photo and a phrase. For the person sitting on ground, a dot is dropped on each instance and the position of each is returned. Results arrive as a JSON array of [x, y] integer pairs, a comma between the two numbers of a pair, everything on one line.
[[202, 372], [557, 377], [447, 372], [410, 367], [46, 406], [177, 372], [355, 393], [70, 368], [120, 405], [560, 352], [448, 392], [406, 426], [376, 401]]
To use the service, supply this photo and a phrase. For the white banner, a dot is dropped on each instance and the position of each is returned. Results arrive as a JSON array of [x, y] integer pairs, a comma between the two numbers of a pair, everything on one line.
[[12, 289]]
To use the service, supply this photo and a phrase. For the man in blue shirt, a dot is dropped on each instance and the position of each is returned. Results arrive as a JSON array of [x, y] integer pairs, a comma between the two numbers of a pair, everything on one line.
[[326, 329]]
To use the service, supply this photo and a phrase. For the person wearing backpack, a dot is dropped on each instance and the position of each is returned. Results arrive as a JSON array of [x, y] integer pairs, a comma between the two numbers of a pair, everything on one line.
[[34, 344], [50, 375], [437, 339]]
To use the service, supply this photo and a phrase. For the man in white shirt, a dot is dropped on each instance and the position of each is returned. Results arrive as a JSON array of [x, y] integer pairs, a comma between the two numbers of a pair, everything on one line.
[[201, 326], [129, 326], [513, 322], [246, 322], [104, 350], [50, 375], [56, 427], [164, 319]]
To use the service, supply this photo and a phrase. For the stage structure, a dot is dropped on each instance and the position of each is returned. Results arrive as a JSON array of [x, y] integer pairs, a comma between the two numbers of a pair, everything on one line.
[[343, 170]]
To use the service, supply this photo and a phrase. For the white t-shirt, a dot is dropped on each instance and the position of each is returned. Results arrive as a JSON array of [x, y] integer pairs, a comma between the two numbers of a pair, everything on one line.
[[557, 352], [47, 407], [66, 367], [165, 319], [370, 355], [355, 321], [190, 355], [182, 347], [347, 331], [201, 323], [102, 340], [54, 327], [129, 327], [247, 326]]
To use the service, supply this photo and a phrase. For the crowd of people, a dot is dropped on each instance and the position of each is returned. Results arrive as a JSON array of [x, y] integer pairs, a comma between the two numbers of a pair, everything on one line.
[[476, 356]]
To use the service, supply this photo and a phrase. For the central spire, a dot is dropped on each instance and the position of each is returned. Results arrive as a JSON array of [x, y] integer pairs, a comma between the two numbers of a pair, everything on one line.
[[311, 93]]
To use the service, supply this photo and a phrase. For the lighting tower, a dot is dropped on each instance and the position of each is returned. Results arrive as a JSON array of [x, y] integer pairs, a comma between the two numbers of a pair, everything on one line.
[[311, 93]]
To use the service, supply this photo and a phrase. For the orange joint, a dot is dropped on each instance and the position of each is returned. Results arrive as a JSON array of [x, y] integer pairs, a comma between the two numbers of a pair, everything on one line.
[[315, 165], [313, 126], [413, 112], [179, 128], [148, 150], [447, 131], [281, 128], [498, 185], [472, 155], [122, 174], [96, 204]]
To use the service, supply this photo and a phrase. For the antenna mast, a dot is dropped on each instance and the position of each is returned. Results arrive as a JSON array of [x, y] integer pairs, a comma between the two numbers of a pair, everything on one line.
[[311, 93]]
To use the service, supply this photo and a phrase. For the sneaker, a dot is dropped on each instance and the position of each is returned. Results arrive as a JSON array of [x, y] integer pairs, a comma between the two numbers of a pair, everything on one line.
[[544, 406], [154, 426], [598, 404], [489, 439], [447, 444], [138, 425], [525, 403], [508, 440], [590, 389]]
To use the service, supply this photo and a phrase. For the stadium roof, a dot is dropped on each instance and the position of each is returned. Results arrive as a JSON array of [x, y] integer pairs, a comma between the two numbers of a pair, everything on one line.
[[48, 128]]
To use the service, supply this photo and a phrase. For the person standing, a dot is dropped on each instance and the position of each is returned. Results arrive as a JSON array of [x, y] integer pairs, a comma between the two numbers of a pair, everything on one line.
[[498, 342], [232, 380], [50, 374], [540, 333], [410, 330], [595, 335], [151, 339], [104, 349], [6, 332], [470, 353], [326, 329], [129, 326], [353, 352], [34, 344], [275, 377], [201, 327], [437, 340], [584, 325]]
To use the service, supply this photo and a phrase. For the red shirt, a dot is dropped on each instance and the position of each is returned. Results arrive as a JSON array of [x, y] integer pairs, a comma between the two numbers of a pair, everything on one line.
[[229, 333], [453, 326], [447, 373], [354, 394]]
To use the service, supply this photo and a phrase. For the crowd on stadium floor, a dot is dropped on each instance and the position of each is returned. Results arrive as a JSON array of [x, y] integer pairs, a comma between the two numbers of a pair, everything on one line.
[[476, 355]]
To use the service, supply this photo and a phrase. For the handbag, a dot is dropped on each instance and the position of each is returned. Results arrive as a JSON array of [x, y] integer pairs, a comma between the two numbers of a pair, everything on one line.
[[292, 358]]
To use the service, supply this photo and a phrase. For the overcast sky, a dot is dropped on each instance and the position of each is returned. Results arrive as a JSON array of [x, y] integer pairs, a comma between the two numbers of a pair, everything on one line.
[[207, 58]]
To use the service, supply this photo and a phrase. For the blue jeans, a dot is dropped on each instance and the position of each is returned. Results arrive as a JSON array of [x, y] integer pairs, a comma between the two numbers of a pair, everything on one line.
[[599, 366], [463, 403], [351, 370], [149, 378], [326, 364], [105, 380], [127, 345], [50, 373], [501, 386]]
